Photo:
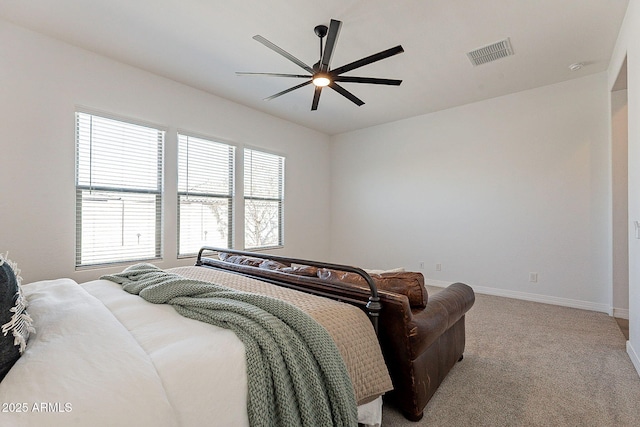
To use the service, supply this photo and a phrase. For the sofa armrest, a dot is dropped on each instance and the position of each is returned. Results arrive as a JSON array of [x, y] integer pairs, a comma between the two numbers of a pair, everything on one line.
[[443, 310]]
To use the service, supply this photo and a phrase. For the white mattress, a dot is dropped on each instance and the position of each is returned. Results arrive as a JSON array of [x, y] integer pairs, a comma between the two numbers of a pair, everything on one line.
[[103, 357]]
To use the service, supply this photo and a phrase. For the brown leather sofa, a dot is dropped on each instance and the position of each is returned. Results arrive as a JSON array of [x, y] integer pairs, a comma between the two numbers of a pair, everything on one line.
[[421, 336]]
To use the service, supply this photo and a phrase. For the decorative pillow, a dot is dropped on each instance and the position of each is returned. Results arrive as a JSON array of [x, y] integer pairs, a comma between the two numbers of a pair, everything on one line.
[[408, 283], [251, 261], [240, 259], [301, 270], [269, 264], [15, 322]]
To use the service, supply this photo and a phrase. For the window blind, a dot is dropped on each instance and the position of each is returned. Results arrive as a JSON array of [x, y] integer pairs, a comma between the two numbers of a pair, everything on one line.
[[263, 199], [205, 194], [118, 191]]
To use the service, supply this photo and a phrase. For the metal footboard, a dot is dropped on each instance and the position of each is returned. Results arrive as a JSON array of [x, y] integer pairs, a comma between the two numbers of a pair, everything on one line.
[[373, 306]]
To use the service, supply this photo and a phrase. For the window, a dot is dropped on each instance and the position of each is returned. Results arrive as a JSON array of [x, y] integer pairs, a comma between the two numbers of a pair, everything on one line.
[[205, 194], [118, 191], [263, 199]]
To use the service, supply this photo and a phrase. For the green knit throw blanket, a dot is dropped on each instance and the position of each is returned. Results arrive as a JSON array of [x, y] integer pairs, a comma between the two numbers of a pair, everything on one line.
[[296, 376]]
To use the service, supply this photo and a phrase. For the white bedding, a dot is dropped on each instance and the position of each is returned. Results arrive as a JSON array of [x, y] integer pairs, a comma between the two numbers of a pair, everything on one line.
[[103, 357]]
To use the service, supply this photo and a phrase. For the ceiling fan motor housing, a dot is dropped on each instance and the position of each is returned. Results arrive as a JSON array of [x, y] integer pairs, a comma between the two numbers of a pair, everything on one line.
[[321, 30]]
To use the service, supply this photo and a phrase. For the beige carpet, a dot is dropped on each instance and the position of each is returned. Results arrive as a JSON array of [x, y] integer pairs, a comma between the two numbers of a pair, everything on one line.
[[532, 364]]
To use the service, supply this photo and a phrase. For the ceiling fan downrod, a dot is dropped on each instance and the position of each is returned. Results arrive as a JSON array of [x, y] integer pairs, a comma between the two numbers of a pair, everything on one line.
[[321, 32]]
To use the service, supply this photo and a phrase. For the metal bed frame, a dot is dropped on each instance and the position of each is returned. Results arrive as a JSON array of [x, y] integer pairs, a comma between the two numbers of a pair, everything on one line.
[[373, 305]]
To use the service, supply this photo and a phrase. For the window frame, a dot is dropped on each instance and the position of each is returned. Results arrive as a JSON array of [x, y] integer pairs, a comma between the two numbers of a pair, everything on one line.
[[231, 197], [157, 192], [279, 200]]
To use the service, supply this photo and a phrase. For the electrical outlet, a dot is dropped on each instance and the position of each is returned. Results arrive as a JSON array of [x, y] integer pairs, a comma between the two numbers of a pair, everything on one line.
[[533, 277], [421, 265], [438, 267]]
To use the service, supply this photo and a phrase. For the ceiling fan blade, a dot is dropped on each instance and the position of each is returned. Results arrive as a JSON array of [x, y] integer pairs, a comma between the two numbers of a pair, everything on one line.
[[287, 90], [316, 98], [342, 91], [330, 44], [370, 80], [368, 60], [300, 76], [283, 52]]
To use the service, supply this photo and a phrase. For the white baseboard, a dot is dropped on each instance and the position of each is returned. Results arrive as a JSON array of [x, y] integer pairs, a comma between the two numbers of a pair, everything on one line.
[[621, 313], [546, 299], [633, 355]]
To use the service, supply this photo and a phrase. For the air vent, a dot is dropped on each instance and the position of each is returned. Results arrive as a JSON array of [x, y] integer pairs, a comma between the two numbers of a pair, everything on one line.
[[491, 52]]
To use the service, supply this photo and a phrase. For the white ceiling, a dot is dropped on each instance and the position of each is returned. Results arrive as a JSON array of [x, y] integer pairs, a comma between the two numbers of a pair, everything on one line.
[[202, 43]]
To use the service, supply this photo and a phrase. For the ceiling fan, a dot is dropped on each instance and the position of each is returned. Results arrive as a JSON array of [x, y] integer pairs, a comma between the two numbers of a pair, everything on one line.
[[321, 75]]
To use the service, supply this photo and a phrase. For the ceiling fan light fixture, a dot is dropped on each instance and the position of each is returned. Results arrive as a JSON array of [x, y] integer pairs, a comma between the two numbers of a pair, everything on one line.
[[321, 80]]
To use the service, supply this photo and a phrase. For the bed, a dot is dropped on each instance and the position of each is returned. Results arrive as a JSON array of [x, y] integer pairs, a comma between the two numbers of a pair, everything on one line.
[[101, 356]]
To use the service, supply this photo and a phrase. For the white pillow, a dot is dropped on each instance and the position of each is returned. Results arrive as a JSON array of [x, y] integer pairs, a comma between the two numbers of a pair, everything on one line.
[[393, 270]]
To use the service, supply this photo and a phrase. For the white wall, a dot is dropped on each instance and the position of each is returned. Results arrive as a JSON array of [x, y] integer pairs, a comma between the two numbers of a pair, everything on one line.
[[41, 83], [492, 191], [628, 45], [620, 216]]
